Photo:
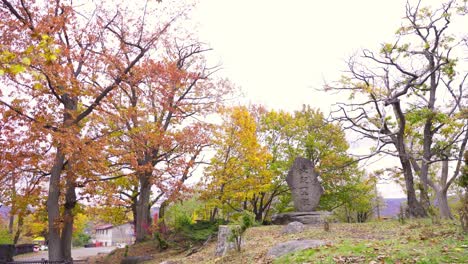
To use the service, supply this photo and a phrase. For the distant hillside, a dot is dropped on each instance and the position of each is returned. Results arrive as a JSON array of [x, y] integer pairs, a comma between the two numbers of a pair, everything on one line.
[[392, 207], [4, 213]]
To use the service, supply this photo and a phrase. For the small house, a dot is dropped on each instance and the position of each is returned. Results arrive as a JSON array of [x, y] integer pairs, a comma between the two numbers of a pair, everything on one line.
[[109, 235]]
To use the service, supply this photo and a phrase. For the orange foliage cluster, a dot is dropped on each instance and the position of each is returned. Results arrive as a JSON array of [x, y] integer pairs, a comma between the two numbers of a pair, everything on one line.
[[100, 102]]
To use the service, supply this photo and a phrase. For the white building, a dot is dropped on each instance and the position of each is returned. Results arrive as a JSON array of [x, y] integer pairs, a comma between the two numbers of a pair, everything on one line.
[[109, 235]]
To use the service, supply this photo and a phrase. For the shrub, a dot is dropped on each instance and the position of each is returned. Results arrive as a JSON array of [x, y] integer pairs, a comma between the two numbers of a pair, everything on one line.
[[80, 239], [243, 222], [5, 237]]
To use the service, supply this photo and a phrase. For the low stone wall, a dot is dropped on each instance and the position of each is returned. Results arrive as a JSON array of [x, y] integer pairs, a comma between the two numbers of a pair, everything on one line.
[[6, 253]]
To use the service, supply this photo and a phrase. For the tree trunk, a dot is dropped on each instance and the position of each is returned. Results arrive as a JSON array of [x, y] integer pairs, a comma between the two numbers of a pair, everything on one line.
[[442, 203], [259, 216], [19, 229], [68, 219], [142, 225], [428, 135], [134, 211], [377, 205], [362, 217], [441, 192], [213, 214], [464, 212], [11, 222], [12, 209], [53, 212], [161, 221], [415, 209], [150, 217]]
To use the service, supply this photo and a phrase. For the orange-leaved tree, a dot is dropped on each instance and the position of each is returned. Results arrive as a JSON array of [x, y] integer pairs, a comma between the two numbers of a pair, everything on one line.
[[157, 112], [86, 52], [23, 164]]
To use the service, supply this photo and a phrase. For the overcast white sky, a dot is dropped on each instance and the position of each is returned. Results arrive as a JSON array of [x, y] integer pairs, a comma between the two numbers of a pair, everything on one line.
[[278, 52]]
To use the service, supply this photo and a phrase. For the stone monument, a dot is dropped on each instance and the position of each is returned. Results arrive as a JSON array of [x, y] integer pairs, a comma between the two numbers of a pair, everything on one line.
[[306, 191]]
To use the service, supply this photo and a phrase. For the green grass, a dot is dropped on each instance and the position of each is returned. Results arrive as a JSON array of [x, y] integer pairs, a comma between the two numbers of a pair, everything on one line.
[[416, 242]]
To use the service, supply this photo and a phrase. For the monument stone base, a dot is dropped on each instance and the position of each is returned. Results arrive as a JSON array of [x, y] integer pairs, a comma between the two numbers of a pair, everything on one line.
[[307, 218]]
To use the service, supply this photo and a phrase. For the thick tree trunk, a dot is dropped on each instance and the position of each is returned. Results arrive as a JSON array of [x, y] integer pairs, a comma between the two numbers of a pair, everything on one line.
[[441, 192], [142, 224], [428, 135], [415, 209], [19, 228], [442, 203], [68, 219], [53, 212], [259, 216]]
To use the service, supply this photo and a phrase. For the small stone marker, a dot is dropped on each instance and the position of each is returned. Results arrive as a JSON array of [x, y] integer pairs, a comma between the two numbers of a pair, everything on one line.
[[304, 184], [293, 246], [224, 245], [293, 227]]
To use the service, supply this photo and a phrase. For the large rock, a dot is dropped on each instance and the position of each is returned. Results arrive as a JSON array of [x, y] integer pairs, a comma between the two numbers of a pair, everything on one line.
[[135, 259], [169, 262], [224, 244], [304, 184], [293, 227], [307, 218], [293, 246]]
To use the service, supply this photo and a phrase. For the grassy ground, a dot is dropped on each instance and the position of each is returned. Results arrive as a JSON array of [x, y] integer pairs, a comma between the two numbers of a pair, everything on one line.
[[375, 242], [415, 242]]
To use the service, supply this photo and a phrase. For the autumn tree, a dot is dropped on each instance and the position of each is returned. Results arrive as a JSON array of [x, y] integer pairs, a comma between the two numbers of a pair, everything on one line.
[[238, 173], [307, 133], [86, 54], [282, 136], [396, 101], [157, 113], [23, 165]]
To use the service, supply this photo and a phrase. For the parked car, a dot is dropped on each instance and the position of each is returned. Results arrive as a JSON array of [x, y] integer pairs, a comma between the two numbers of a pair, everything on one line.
[[36, 248], [44, 248], [121, 245]]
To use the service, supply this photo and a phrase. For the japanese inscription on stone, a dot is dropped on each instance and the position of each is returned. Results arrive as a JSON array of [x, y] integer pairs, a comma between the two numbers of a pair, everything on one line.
[[304, 184]]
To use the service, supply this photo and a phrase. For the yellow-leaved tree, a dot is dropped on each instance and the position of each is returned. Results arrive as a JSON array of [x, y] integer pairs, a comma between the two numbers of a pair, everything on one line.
[[238, 172]]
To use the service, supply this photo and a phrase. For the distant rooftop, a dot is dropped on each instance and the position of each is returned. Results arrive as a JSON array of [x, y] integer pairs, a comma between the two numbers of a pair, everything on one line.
[[104, 227]]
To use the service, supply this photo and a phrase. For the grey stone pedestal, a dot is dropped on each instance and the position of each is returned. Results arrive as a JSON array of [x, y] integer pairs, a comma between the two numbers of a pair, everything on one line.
[[307, 218]]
